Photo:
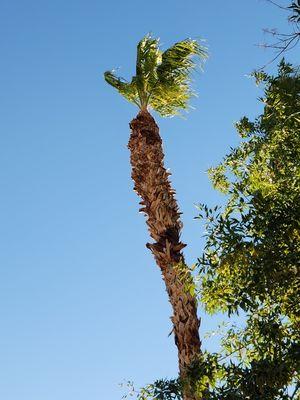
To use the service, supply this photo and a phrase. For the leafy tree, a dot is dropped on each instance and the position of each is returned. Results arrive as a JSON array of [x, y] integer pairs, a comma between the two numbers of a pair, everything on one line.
[[162, 83], [252, 249], [251, 258]]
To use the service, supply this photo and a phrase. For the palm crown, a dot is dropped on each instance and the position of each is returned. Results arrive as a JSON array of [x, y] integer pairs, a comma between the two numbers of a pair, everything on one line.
[[162, 79]]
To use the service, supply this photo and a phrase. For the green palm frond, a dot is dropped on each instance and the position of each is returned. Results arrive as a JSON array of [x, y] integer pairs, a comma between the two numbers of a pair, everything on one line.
[[148, 58], [128, 90], [173, 89], [162, 79]]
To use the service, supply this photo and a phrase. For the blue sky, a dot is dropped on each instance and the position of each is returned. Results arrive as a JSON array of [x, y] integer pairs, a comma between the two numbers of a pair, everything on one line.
[[82, 304]]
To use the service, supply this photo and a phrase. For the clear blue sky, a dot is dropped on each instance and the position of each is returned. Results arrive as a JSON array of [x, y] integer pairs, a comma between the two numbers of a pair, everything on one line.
[[82, 304]]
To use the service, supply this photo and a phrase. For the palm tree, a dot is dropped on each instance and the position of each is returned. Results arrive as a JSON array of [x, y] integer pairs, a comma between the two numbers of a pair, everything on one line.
[[162, 83]]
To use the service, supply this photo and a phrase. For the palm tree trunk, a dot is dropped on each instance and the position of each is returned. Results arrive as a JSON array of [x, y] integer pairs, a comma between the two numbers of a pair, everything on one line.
[[163, 220]]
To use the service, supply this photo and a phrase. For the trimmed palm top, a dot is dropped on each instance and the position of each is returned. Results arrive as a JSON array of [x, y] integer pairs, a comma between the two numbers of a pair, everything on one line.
[[162, 79], [162, 82]]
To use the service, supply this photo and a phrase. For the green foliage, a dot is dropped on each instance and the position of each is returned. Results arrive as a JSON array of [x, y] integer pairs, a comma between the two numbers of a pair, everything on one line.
[[203, 374], [162, 79], [128, 90], [161, 389], [253, 246], [251, 258]]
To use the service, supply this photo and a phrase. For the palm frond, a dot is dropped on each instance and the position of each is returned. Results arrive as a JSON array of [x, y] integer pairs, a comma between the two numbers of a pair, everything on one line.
[[162, 79], [148, 57], [178, 58], [126, 89], [173, 89]]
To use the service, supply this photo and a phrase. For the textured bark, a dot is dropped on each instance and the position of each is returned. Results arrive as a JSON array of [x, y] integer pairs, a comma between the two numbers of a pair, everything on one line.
[[163, 219]]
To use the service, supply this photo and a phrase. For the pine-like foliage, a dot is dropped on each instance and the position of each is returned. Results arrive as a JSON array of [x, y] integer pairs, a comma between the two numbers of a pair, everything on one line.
[[162, 79]]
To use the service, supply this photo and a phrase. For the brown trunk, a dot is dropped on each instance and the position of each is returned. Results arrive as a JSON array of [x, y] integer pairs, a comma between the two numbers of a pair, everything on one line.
[[163, 219]]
